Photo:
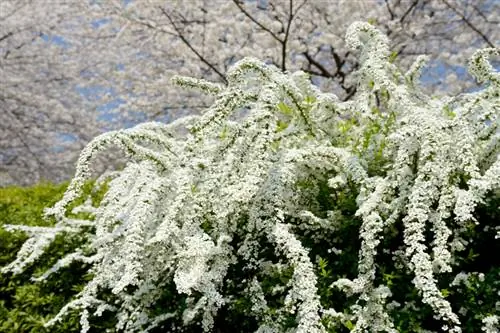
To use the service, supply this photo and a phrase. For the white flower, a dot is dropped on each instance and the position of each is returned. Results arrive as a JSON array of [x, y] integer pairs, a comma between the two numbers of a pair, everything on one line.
[[203, 194]]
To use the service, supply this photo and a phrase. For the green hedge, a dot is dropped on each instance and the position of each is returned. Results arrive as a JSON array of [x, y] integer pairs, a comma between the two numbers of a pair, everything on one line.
[[24, 305]]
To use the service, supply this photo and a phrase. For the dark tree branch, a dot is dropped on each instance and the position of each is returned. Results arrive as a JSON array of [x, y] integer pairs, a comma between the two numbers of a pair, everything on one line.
[[188, 44], [469, 23], [323, 71], [408, 11], [285, 40], [389, 9], [291, 16], [7, 35], [480, 12], [260, 25]]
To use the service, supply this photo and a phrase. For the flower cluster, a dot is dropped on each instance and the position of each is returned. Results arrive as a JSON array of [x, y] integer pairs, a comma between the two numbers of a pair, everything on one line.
[[208, 193]]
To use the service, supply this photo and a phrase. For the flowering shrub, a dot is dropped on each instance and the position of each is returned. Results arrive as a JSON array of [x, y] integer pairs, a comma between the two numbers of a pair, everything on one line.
[[26, 305], [305, 214]]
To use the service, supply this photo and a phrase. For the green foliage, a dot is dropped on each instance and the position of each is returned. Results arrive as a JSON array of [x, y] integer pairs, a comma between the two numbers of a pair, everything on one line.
[[25, 306]]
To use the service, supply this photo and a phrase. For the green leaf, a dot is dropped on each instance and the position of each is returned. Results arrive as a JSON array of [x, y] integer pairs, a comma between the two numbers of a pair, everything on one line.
[[281, 126], [285, 109], [275, 145], [350, 326], [448, 112], [223, 134], [393, 56], [310, 99]]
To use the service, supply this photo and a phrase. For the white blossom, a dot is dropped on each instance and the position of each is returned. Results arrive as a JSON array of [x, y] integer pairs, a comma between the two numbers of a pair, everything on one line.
[[204, 193]]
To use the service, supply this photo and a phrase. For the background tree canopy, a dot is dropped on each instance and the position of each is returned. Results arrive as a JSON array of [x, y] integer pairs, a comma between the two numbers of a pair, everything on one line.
[[70, 70]]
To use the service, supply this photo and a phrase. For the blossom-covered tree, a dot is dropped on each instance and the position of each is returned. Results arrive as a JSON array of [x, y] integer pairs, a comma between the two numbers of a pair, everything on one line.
[[213, 215], [125, 52], [44, 123]]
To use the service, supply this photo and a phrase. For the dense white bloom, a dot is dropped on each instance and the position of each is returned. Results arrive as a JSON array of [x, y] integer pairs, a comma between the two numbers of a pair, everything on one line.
[[203, 194], [491, 324]]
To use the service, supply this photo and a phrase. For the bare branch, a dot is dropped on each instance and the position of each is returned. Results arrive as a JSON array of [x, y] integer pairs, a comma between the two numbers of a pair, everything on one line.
[[260, 25], [469, 23], [188, 44]]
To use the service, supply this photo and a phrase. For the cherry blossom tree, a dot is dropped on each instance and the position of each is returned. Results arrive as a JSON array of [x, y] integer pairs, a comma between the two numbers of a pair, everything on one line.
[[44, 122], [204, 38], [131, 49]]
